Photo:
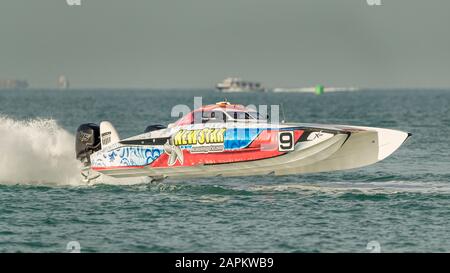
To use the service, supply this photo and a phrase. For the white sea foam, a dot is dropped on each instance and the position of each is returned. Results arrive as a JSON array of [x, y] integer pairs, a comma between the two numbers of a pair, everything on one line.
[[39, 151], [36, 151]]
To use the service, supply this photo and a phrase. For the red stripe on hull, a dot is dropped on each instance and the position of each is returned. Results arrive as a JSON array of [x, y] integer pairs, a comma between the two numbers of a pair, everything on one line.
[[265, 145], [116, 168]]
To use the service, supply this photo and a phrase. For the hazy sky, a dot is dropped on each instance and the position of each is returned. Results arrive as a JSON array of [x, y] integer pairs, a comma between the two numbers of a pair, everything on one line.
[[195, 43]]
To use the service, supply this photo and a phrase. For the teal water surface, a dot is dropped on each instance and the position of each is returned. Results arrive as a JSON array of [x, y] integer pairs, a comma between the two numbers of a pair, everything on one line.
[[402, 202]]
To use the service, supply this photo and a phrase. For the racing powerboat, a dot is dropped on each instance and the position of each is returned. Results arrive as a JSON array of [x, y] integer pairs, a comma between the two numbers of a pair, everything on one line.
[[226, 139]]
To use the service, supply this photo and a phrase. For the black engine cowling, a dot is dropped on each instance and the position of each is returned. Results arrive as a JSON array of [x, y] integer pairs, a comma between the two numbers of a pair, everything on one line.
[[87, 141]]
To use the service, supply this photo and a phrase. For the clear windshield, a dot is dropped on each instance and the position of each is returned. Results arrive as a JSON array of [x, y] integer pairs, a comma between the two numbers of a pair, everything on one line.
[[242, 115], [257, 115]]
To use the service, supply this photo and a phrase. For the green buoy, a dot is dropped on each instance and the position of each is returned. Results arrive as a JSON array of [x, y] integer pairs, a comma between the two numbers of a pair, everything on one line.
[[320, 89]]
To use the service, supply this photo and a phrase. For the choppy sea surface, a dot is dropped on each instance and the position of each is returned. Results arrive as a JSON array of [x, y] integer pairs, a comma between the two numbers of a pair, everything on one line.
[[401, 203]]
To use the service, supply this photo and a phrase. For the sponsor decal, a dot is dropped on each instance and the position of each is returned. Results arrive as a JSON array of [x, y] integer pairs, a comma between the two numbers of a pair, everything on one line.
[[319, 136], [315, 135], [106, 138], [84, 137], [206, 140], [207, 149], [199, 137]]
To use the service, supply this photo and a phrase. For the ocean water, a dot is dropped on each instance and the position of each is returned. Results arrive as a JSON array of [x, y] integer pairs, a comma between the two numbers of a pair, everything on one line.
[[401, 203]]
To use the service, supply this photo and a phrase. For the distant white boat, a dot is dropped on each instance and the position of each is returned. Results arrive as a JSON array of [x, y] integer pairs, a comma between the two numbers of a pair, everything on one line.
[[234, 84], [63, 82]]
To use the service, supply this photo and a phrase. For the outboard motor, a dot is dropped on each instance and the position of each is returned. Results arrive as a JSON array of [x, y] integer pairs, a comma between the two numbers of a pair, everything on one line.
[[155, 127], [87, 141]]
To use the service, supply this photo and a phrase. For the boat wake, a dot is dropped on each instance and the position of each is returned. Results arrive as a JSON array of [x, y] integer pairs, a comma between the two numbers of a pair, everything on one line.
[[36, 151], [365, 188], [209, 192], [40, 152]]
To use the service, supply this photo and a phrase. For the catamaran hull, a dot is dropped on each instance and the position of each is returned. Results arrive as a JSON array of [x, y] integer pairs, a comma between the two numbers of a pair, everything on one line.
[[317, 148]]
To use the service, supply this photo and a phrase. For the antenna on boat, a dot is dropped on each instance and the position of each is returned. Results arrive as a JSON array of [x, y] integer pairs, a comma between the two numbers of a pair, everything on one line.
[[282, 112]]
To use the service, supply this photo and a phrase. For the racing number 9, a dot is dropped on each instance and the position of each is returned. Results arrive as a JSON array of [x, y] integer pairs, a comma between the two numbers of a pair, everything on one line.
[[285, 141]]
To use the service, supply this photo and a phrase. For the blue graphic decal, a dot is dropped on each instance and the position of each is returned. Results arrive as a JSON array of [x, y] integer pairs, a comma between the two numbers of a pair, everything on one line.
[[238, 138], [129, 156]]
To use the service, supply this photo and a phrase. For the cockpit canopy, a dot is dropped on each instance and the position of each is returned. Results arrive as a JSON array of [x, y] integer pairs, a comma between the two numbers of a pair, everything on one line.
[[221, 112]]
